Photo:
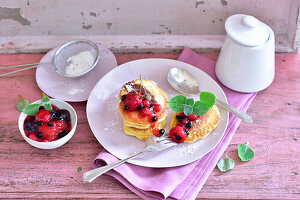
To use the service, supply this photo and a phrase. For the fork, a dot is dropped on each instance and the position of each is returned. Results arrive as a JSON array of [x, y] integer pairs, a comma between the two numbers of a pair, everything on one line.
[[153, 144]]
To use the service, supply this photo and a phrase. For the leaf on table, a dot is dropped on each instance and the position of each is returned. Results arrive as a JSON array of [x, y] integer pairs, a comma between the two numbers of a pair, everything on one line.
[[245, 152], [79, 169], [225, 164], [23, 103]]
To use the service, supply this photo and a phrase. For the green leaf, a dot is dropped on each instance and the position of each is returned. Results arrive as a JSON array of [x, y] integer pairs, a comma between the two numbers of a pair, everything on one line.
[[177, 103], [79, 169], [32, 109], [23, 103], [200, 108], [45, 99], [190, 102], [188, 110], [245, 152], [225, 164], [48, 106], [208, 98]]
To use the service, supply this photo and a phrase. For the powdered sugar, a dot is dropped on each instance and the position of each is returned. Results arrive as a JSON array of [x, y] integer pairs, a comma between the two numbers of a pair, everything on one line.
[[80, 63]]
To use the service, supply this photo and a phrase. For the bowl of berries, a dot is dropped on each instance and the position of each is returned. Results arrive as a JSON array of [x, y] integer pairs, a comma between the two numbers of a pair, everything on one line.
[[48, 123]]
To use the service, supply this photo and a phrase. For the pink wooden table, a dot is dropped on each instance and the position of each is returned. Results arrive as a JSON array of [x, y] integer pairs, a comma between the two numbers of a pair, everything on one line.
[[27, 172]]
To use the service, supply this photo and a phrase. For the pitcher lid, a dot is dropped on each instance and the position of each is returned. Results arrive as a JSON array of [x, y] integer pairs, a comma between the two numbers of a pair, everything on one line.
[[247, 30]]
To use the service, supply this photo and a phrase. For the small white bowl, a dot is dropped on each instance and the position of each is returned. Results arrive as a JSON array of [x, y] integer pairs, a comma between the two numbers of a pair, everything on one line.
[[57, 143]]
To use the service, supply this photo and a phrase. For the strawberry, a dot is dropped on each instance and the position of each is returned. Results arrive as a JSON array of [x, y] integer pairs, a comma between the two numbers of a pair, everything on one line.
[[192, 117], [51, 130], [157, 107], [178, 134], [43, 116]]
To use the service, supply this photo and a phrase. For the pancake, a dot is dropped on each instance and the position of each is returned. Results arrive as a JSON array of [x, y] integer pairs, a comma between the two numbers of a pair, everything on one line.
[[142, 134], [201, 126], [133, 122]]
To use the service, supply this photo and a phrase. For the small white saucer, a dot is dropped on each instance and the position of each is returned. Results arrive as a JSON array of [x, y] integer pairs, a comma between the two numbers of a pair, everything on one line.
[[69, 89]]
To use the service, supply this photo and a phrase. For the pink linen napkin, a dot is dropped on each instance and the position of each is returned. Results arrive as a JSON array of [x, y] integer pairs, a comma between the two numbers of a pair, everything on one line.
[[183, 182]]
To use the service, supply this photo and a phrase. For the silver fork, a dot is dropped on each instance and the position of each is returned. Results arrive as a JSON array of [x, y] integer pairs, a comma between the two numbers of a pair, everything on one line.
[[153, 144]]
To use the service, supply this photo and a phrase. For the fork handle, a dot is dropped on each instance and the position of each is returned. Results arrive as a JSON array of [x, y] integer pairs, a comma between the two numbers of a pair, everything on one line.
[[91, 175]]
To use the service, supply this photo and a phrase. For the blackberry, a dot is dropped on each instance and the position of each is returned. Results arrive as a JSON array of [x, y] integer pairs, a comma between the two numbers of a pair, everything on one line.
[[161, 132], [62, 134], [141, 106], [39, 135], [187, 132], [154, 119], [50, 124], [63, 115], [189, 125]]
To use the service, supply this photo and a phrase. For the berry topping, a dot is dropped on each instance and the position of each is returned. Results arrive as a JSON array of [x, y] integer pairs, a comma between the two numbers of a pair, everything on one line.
[[51, 133], [45, 140], [146, 103], [43, 116], [41, 108], [178, 134], [161, 132], [156, 132], [50, 124], [154, 118], [123, 97], [39, 135], [145, 111], [140, 107], [157, 107], [192, 117], [132, 101], [187, 132], [189, 125], [126, 107]]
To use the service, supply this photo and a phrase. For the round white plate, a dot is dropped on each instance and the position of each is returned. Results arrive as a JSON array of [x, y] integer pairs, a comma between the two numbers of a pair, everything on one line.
[[68, 89], [107, 124]]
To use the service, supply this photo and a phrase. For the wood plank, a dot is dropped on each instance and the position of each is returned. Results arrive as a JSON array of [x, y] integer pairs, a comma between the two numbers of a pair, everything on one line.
[[27, 172]]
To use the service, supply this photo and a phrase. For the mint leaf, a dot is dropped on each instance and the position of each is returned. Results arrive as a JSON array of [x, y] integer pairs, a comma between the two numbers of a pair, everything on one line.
[[79, 169], [188, 110], [48, 106], [177, 103], [45, 99], [190, 102], [200, 108], [225, 164], [245, 152], [208, 98], [23, 103], [32, 109]]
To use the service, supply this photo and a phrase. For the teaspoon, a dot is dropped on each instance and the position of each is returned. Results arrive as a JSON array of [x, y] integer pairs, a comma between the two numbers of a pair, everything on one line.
[[182, 81]]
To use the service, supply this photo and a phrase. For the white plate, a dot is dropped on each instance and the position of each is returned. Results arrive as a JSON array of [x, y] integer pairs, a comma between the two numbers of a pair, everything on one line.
[[68, 89], [107, 124]]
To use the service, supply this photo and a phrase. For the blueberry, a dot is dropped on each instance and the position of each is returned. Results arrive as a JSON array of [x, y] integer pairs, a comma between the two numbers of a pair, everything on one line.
[[161, 132], [154, 119], [34, 128], [63, 115], [189, 125], [178, 138], [53, 114], [27, 128], [141, 106], [41, 108], [50, 124], [150, 106], [126, 107], [62, 134], [123, 97], [39, 135], [38, 123], [187, 132]]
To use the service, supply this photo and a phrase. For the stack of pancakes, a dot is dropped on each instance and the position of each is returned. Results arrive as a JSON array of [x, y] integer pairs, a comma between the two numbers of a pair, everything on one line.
[[133, 123], [202, 126]]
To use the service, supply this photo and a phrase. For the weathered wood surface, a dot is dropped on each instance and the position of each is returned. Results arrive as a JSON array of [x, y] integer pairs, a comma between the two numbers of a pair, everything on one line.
[[27, 172]]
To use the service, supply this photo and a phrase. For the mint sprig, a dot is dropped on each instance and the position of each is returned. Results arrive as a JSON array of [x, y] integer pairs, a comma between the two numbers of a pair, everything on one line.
[[31, 109], [245, 152], [181, 103]]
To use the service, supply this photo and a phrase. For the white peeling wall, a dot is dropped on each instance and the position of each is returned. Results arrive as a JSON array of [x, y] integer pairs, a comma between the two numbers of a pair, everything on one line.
[[134, 17]]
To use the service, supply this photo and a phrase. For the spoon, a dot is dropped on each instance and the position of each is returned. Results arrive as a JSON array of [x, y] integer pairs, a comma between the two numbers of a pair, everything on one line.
[[182, 81]]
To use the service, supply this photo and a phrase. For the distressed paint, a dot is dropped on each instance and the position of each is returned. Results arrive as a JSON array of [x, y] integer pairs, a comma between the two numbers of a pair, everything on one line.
[[31, 173], [137, 18]]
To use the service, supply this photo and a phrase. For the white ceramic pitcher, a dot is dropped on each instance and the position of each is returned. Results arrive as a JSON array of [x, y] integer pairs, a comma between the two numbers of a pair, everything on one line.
[[247, 59]]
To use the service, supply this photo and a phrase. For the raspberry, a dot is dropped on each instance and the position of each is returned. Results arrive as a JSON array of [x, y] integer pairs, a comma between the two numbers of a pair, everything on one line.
[[43, 116], [156, 132], [132, 101], [178, 134], [157, 107], [192, 117], [145, 111]]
